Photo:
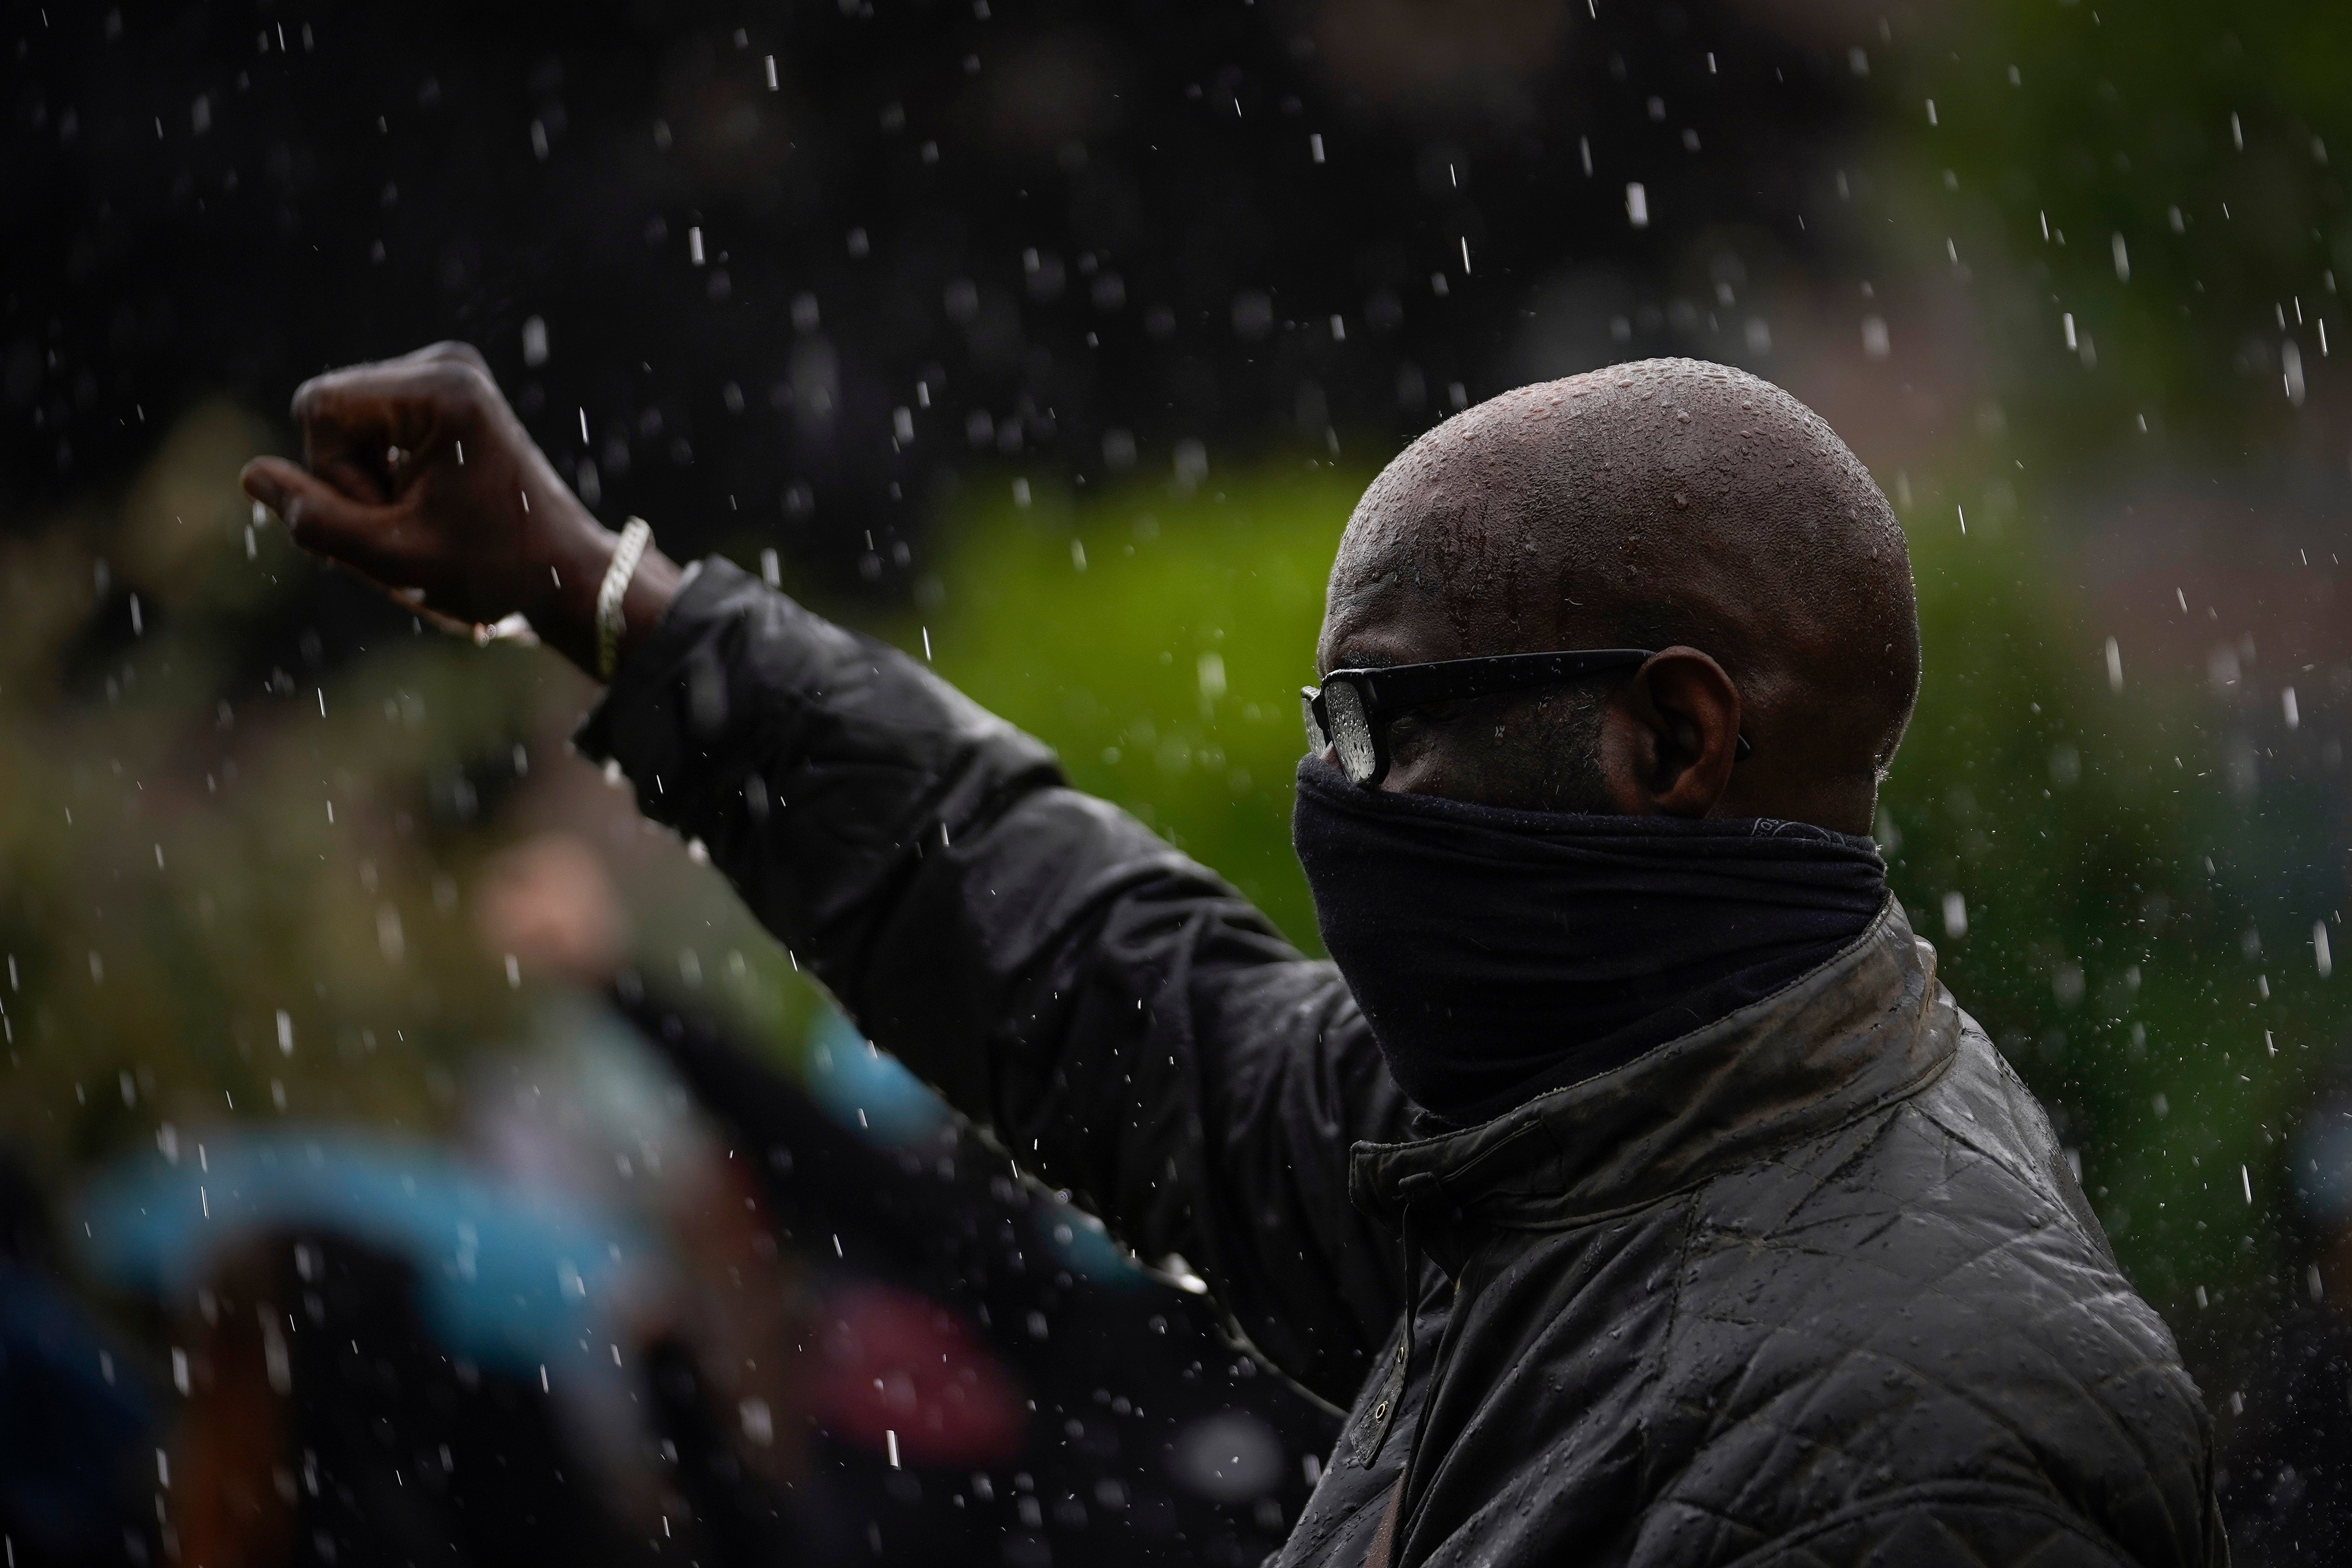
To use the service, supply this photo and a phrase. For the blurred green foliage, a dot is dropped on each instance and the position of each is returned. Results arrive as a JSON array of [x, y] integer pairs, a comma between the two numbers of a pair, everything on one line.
[[2166, 175], [2130, 939], [1158, 641], [241, 889]]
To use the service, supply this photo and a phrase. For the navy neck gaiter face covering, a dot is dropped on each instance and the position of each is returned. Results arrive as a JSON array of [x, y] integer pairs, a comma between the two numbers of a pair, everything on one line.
[[1498, 953]]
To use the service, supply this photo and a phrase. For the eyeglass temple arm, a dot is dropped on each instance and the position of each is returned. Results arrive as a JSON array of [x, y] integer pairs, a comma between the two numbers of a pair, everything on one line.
[[1456, 678]]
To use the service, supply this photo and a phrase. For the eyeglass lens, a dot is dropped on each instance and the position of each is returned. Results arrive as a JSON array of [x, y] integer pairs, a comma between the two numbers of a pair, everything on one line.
[[1351, 731]]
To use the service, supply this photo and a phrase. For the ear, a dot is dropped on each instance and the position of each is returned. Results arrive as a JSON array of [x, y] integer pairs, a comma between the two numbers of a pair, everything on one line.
[[1669, 741]]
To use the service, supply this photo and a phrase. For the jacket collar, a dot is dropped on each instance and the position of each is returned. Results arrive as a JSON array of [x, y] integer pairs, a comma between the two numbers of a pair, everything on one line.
[[1867, 1028]]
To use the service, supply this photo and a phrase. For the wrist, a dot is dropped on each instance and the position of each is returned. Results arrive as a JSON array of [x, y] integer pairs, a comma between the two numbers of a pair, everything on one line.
[[564, 615], [646, 600], [564, 578]]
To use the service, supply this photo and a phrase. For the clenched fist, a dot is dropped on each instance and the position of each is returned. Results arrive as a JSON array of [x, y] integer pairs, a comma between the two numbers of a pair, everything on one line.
[[419, 477]]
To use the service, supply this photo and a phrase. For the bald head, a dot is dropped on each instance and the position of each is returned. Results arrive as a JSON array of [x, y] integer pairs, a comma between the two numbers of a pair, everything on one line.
[[1667, 504]]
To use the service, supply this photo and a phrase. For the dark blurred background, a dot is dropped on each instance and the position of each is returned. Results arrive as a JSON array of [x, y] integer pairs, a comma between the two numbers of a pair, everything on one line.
[[794, 272], [1055, 342]]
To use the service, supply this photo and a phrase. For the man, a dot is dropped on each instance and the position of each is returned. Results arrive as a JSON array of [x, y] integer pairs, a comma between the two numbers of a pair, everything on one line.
[[1630, 1173]]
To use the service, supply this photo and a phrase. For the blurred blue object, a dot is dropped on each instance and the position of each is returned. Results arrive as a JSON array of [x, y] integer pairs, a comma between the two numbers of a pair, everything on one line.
[[870, 1091], [863, 1088], [71, 1422], [507, 1277], [2323, 1164], [1083, 1246]]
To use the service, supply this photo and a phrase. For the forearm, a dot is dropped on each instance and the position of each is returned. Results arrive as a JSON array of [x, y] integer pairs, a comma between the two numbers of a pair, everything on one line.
[[565, 619]]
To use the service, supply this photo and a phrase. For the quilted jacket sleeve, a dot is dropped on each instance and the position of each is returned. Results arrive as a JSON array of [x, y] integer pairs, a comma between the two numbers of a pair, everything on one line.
[[1120, 1018]]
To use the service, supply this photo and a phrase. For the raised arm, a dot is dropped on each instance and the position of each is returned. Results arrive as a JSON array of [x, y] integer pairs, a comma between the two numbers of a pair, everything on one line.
[[1121, 1019]]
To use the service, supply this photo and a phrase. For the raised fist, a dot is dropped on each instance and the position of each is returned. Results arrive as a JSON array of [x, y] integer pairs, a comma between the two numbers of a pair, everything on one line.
[[419, 477]]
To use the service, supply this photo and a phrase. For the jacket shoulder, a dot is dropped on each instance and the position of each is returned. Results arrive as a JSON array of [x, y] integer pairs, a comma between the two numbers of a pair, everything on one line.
[[1915, 1300]]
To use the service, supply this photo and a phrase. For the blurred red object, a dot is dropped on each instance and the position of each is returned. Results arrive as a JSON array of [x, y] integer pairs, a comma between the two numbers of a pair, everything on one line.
[[896, 1363]]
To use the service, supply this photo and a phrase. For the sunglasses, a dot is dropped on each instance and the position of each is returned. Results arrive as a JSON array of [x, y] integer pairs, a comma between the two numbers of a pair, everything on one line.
[[1351, 712]]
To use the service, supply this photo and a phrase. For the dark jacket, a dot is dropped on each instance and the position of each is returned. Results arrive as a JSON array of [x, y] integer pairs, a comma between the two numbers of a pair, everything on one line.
[[1810, 1286]]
